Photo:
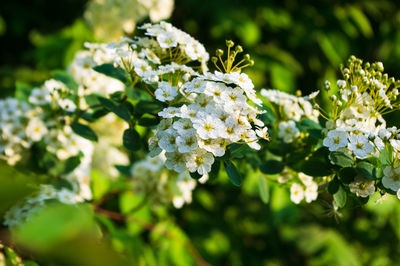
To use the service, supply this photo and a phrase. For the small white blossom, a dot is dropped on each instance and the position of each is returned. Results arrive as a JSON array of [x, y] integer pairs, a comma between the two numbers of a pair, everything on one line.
[[336, 139], [391, 178], [296, 193], [288, 131], [360, 145]]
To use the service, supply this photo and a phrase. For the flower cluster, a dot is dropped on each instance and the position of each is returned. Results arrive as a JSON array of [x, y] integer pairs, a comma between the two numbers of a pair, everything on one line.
[[204, 111], [28, 207], [112, 18], [149, 177], [90, 81], [291, 109], [45, 121], [356, 125], [307, 189]]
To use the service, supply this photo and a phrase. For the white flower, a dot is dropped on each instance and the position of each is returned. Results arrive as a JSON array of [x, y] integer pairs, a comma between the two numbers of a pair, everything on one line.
[[336, 139], [296, 193], [384, 133], [39, 97], [398, 194], [360, 145], [395, 144], [176, 161], [215, 146], [169, 112], [67, 105], [187, 142], [68, 197], [167, 40], [391, 178], [208, 127], [262, 132], [183, 125], [306, 179], [165, 92], [311, 192], [200, 161], [288, 131], [142, 68], [36, 129], [197, 85], [167, 140], [362, 187]]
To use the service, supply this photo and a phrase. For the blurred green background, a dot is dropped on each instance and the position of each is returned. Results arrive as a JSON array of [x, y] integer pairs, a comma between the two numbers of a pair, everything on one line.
[[295, 45]]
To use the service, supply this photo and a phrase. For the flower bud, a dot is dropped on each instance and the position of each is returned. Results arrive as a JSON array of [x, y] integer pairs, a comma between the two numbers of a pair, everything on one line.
[[239, 48], [341, 83], [219, 52], [229, 43], [379, 66], [333, 98], [246, 57], [214, 59]]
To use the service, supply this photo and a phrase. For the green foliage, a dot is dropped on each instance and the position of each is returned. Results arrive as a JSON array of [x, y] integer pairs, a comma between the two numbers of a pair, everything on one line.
[[121, 110], [295, 45], [14, 186], [271, 167], [233, 173], [22, 91], [264, 190], [84, 131], [340, 197], [131, 139], [341, 159], [113, 72], [66, 79], [369, 170]]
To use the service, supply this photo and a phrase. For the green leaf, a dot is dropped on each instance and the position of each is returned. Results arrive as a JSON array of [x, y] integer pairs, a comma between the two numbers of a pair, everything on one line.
[[341, 159], [143, 107], [120, 110], [368, 170], [113, 72], [318, 164], [14, 186], [333, 186], [263, 189], [84, 131], [92, 99], [131, 139], [271, 167], [347, 175], [340, 197], [66, 79], [269, 117], [54, 223], [148, 121], [361, 20], [22, 91], [329, 48], [233, 173], [311, 127]]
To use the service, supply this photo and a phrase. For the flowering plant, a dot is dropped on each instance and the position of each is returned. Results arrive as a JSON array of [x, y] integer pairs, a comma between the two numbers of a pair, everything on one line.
[[148, 116]]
